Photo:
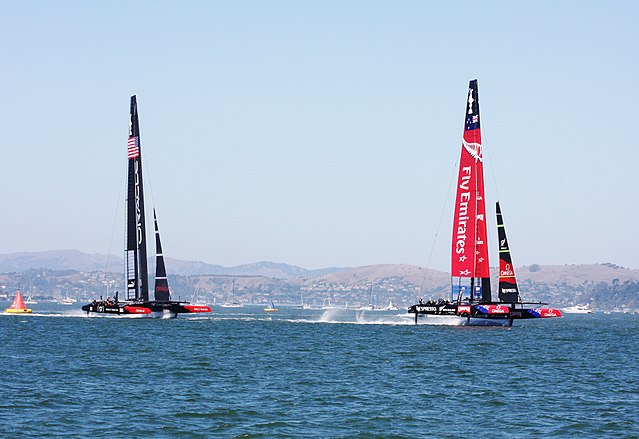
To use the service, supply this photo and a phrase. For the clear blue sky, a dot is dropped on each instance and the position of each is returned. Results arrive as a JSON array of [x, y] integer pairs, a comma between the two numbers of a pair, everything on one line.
[[320, 133]]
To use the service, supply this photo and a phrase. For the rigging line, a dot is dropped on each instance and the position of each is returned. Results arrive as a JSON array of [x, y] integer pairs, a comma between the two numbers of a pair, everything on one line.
[[441, 215], [148, 177], [115, 215], [492, 170]]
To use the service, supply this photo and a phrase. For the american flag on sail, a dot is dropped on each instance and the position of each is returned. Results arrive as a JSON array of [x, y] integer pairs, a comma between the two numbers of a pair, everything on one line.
[[134, 147]]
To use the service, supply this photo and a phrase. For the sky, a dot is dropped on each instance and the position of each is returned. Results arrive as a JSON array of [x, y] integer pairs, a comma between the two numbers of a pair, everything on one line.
[[320, 133]]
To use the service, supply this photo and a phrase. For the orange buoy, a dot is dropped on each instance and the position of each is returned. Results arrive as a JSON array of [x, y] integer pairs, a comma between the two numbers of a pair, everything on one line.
[[18, 306]]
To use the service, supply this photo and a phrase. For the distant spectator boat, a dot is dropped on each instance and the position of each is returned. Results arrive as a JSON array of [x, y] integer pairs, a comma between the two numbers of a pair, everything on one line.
[[231, 302], [391, 306], [271, 308], [578, 309]]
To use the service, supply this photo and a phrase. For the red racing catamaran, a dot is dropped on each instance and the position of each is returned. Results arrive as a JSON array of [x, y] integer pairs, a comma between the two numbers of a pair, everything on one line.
[[471, 299]]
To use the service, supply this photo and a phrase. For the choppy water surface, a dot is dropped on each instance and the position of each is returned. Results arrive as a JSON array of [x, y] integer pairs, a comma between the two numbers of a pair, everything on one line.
[[313, 373]]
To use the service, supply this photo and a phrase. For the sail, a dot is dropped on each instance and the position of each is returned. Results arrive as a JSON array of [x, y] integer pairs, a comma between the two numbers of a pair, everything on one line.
[[18, 302], [161, 281], [137, 271], [470, 268], [508, 290]]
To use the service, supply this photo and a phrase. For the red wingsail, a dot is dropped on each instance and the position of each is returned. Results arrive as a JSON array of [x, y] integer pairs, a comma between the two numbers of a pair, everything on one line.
[[470, 247]]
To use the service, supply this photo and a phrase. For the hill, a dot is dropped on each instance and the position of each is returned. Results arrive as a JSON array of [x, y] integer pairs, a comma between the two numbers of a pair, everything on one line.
[[69, 272], [77, 260]]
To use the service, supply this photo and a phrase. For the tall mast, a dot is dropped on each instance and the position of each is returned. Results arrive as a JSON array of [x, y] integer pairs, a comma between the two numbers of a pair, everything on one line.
[[469, 267], [161, 281], [137, 271], [508, 289]]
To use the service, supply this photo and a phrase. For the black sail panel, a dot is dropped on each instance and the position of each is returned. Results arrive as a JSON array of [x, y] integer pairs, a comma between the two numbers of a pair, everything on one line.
[[137, 271], [508, 289], [162, 293]]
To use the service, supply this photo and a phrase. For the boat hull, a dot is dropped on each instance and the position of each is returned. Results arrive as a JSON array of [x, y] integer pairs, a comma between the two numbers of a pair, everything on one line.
[[149, 309], [485, 314], [452, 320]]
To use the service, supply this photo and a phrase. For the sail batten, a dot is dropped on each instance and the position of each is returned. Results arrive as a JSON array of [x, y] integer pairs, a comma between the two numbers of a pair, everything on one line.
[[470, 262]]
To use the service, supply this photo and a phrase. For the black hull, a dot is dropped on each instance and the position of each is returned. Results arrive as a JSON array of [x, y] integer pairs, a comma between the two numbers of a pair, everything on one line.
[[505, 313], [148, 308]]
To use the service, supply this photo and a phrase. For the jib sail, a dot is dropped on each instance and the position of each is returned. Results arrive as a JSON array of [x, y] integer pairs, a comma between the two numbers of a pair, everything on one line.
[[508, 290], [161, 281]]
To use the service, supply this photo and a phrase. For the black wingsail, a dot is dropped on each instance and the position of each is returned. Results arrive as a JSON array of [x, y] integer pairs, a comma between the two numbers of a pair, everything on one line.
[[137, 271], [161, 281], [508, 289]]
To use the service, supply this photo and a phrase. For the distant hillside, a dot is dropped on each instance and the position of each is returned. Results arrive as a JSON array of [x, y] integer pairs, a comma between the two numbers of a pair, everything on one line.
[[603, 286], [59, 260], [430, 279], [418, 276], [268, 269], [77, 260], [434, 279], [576, 274]]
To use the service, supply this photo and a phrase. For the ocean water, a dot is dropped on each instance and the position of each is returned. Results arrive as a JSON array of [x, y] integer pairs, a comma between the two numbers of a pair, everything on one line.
[[313, 373]]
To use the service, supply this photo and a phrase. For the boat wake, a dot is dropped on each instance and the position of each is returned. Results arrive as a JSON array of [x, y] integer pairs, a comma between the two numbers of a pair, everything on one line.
[[362, 317]]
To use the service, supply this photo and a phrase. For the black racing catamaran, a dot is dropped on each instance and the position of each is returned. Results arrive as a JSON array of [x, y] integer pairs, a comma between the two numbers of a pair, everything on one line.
[[471, 300], [137, 291]]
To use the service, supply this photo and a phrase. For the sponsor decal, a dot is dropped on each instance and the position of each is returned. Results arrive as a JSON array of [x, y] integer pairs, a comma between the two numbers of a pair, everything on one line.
[[463, 309], [137, 310], [507, 271], [547, 312], [499, 309], [492, 309], [138, 211], [197, 308], [462, 213], [424, 308]]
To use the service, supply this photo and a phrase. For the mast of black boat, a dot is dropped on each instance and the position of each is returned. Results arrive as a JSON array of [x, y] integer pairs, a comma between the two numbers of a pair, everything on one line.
[[135, 253]]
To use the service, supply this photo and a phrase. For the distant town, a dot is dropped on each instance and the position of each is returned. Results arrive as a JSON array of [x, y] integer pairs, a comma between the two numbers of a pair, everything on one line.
[[604, 287]]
